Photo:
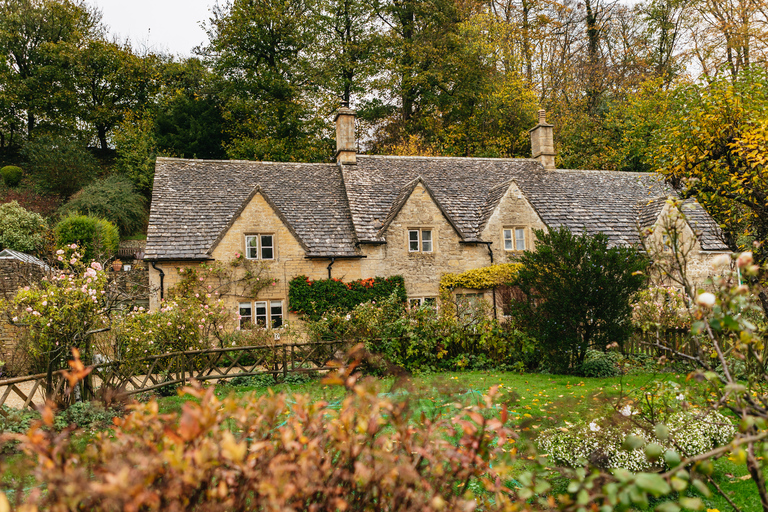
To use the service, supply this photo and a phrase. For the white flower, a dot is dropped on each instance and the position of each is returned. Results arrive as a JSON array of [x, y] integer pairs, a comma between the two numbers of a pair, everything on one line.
[[680, 396], [627, 411], [15, 319], [706, 299], [60, 251], [594, 427]]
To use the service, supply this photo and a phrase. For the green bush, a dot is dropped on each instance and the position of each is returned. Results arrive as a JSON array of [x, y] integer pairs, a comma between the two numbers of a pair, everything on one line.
[[315, 298], [98, 237], [576, 293], [113, 199], [425, 339], [599, 364], [84, 415], [20, 229], [11, 175], [59, 164]]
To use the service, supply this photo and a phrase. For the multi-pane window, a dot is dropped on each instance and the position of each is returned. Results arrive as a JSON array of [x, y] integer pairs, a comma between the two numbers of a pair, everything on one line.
[[260, 247], [265, 313], [420, 240], [514, 239], [246, 314], [417, 302]]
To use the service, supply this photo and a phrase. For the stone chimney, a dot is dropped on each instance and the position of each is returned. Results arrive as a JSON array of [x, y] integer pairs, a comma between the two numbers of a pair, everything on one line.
[[345, 136], [543, 142]]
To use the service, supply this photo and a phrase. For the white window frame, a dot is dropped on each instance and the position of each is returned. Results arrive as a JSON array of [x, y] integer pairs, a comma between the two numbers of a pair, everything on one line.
[[421, 242], [511, 239], [245, 319], [520, 237], [262, 314], [260, 247]]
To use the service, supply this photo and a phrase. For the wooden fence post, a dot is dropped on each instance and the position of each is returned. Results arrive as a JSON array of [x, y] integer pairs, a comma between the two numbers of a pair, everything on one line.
[[285, 361]]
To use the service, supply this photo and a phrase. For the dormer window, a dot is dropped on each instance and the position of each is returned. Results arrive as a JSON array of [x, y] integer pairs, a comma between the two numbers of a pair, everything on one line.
[[260, 247], [420, 240]]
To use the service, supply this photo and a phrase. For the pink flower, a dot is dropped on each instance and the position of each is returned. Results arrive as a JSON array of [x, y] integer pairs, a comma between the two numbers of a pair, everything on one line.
[[60, 258], [237, 255]]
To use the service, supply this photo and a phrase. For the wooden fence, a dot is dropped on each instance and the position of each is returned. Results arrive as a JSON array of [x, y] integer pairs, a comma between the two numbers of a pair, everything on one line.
[[647, 343], [177, 368]]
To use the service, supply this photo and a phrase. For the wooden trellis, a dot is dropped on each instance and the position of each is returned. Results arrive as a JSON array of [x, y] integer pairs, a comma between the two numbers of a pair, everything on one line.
[[178, 368]]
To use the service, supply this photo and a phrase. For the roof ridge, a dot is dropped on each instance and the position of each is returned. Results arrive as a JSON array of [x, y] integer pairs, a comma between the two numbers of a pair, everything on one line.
[[468, 158], [264, 162]]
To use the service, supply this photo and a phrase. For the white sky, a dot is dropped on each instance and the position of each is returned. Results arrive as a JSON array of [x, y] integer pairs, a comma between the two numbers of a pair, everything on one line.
[[169, 26]]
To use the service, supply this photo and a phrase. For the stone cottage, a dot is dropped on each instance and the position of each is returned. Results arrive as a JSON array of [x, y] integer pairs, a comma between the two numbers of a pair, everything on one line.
[[366, 216]]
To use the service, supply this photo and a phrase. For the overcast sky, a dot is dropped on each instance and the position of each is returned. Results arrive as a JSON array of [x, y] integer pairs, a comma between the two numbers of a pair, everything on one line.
[[171, 26]]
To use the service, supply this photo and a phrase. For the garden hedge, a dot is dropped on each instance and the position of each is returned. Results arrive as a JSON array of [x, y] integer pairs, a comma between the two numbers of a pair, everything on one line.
[[314, 298]]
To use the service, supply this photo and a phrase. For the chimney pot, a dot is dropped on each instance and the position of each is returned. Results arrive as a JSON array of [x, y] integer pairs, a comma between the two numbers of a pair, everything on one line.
[[543, 143], [346, 151]]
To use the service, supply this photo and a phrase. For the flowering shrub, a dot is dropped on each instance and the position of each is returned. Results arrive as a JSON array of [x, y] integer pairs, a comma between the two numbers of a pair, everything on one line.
[[239, 277], [483, 278], [604, 445], [180, 324], [660, 307], [427, 338], [315, 298], [64, 309]]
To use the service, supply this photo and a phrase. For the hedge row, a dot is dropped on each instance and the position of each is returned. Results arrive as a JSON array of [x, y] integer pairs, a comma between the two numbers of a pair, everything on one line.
[[314, 298]]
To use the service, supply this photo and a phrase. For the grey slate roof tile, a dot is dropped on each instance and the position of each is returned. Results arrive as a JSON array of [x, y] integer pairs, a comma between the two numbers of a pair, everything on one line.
[[330, 209]]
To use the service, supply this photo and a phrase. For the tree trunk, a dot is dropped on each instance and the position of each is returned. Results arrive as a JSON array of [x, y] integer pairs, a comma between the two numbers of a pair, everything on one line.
[[102, 134]]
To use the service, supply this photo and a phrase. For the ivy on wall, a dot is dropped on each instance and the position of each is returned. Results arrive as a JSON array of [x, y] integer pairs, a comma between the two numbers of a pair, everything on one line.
[[314, 298], [481, 278]]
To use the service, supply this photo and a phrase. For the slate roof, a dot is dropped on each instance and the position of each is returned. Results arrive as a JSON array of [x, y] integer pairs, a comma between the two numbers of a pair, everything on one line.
[[195, 201], [332, 209]]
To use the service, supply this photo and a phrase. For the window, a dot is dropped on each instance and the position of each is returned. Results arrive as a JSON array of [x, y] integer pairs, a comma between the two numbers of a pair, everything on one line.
[[246, 314], [263, 314], [514, 239], [420, 240], [417, 302], [276, 313], [260, 247]]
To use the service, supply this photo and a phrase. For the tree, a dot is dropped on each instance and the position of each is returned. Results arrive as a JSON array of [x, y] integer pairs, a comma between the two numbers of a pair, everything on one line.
[[21, 230], [262, 52], [113, 199], [137, 149], [577, 294], [712, 145], [60, 164], [37, 40], [189, 122], [111, 80]]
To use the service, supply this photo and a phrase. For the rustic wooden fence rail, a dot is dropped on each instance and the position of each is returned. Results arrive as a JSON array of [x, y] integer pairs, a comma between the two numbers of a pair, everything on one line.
[[177, 368], [679, 340]]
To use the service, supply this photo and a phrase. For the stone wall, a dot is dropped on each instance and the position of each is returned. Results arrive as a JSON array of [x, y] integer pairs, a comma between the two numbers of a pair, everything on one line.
[[700, 265]]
